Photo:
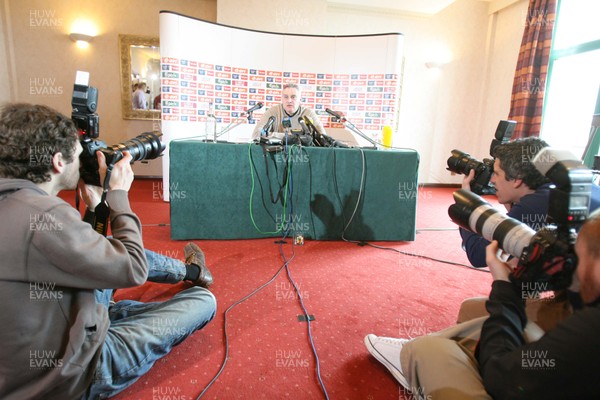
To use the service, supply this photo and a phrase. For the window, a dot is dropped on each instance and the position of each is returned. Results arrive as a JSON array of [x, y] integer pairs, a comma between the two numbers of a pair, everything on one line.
[[573, 89]]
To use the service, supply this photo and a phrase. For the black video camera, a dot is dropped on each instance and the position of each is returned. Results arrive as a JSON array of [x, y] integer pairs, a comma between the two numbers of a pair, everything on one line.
[[146, 146], [546, 257], [462, 163]]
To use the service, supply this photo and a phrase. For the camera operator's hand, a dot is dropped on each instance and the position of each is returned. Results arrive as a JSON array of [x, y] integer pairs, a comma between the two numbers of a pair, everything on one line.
[[466, 183], [499, 269], [90, 194], [121, 176]]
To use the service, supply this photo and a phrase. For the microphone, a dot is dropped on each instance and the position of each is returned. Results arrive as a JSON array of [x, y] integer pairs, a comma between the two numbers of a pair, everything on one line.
[[336, 114], [309, 124], [255, 107], [305, 130], [287, 123], [268, 126]]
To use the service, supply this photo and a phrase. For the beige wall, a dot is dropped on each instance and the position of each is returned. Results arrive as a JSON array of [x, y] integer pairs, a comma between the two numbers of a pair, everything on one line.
[[457, 106], [39, 61]]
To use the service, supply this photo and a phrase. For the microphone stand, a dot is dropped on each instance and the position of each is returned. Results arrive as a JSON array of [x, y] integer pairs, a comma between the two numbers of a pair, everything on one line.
[[354, 129], [238, 121]]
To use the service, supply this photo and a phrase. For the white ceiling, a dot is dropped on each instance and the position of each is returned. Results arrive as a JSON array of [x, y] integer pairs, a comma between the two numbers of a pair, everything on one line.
[[422, 7]]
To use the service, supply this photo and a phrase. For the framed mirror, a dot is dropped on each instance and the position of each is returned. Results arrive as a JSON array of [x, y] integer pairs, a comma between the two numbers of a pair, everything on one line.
[[140, 77]]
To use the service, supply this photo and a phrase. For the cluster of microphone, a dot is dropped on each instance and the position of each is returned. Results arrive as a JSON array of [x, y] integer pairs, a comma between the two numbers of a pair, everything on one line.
[[306, 124]]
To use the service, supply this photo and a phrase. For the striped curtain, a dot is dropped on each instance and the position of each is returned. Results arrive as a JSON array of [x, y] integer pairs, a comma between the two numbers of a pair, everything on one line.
[[532, 67]]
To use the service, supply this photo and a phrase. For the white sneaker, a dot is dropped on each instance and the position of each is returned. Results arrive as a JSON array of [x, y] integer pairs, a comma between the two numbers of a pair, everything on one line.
[[387, 351]]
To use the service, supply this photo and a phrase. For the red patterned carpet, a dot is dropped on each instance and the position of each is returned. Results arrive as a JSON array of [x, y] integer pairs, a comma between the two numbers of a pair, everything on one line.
[[351, 290]]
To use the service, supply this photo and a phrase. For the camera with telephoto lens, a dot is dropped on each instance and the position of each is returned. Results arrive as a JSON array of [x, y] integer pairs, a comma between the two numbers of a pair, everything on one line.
[[462, 163], [546, 257], [146, 146]]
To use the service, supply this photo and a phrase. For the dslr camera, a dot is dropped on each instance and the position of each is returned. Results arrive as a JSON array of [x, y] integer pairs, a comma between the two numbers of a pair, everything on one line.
[[462, 163], [546, 257], [146, 146]]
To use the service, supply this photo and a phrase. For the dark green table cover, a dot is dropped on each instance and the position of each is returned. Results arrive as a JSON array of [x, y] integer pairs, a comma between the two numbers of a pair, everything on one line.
[[228, 191]]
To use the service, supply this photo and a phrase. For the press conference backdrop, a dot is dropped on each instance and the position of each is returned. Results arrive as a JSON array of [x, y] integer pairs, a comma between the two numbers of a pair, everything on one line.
[[234, 68]]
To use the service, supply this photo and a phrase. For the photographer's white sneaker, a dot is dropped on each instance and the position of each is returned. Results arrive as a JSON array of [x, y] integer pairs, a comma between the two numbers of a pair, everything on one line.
[[387, 351]]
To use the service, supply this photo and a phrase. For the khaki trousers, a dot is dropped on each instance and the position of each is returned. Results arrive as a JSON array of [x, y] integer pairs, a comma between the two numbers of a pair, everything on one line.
[[442, 365]]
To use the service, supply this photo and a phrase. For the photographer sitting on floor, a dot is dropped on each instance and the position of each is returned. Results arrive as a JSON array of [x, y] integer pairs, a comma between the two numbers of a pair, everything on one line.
[[560, 364], [61, 336], [525, 193], [520, 187]]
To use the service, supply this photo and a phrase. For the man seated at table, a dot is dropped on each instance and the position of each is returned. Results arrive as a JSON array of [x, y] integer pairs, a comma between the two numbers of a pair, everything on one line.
[[287, 114]]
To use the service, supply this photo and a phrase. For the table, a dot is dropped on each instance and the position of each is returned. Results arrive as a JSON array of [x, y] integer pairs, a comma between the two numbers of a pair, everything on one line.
[[242, 191]]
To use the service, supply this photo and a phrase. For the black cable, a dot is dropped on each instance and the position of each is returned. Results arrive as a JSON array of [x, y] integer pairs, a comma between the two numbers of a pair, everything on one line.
[[364, 243], [285, 266], [262, 191], [421, 256]]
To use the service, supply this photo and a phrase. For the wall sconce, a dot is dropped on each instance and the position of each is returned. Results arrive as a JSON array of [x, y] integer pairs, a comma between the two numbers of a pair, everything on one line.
[[81, 39]]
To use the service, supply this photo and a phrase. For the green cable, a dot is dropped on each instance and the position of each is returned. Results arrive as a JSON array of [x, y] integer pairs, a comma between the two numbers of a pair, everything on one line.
[[289, 166]]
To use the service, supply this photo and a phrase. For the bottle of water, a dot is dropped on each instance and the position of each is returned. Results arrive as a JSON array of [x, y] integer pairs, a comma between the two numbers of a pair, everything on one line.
[[211, 124]]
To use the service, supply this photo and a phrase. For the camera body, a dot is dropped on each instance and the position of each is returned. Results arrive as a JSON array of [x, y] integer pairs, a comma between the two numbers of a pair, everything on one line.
[[462, 163], [548, 255], [84, 104]]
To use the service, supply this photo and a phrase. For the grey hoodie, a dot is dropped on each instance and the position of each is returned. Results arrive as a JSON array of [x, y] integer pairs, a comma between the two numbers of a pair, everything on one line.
[[51, 329]]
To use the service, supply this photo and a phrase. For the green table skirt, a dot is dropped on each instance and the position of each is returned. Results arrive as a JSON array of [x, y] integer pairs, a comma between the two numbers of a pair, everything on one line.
[[241, 191]]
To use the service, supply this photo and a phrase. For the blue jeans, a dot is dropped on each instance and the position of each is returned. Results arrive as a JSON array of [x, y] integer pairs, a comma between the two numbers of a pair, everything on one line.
[[142, 333]]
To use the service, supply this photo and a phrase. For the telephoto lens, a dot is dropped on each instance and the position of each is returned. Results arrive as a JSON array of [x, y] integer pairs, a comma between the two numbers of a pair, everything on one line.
[[473, 213], [146, 146]]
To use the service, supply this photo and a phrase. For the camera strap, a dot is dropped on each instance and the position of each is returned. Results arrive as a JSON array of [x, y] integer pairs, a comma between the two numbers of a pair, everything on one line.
[[99, 218], [102, 211]]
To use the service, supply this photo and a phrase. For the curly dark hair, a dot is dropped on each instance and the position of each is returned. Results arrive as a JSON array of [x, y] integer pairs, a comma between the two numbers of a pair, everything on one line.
[[516, 160], [29, 136]]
